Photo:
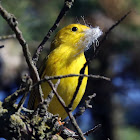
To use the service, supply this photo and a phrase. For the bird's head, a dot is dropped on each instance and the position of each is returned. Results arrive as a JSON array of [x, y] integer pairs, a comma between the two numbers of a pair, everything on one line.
[[78, 36]]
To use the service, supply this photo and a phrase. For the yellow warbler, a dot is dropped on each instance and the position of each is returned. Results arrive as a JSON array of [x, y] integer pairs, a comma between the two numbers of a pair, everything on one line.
[[67, 57]]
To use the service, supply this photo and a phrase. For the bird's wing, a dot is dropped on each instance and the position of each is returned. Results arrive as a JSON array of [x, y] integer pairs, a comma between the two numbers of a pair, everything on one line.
[[34, 93]]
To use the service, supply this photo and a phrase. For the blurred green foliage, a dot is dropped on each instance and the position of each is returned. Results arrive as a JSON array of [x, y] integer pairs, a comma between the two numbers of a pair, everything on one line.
[[36, 17], [128, 133]]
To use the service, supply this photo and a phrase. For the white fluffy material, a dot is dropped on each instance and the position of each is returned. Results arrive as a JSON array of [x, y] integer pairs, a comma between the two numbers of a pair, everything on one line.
[[91, 37]]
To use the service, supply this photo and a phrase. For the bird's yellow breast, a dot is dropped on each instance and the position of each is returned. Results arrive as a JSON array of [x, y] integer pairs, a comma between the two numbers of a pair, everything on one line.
[[61, 62]]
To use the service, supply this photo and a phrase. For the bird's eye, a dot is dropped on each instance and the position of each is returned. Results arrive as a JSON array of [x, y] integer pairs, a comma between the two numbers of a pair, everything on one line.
[[74, 29]]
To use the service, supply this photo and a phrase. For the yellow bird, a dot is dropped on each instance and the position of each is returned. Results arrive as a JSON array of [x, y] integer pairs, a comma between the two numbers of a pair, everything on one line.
[[67, 57]]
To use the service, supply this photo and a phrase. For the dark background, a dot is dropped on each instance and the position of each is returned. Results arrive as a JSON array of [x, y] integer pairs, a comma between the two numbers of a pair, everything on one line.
[[116, 105]]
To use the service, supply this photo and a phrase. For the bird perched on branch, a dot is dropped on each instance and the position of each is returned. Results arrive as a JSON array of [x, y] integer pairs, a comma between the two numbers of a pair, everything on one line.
[[66, 57]]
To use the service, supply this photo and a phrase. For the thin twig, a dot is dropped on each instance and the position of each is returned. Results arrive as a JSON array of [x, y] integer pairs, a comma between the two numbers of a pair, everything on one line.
[[57, 95], [20, 104], [11, 99], [92, 130], [83, 108], [82, 71], [96, 50], [77, 75], [27, 110], [70, 75], [112, 27], [89, 131], [44, 105], [73, 121], [67, 5], [7, 37], [51, 94], [11, 20], [27, 81]]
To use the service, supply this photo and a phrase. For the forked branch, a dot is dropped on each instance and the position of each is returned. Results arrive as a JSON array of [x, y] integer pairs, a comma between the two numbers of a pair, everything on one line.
[[67, 5]]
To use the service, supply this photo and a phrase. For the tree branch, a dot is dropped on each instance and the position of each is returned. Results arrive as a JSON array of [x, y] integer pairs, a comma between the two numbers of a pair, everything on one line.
[[83, 108], [7, 37], [51, 94], [19, 126], [11, 99], [11, 20], [28, 82], [73, 121], [70, 75], [67, 5], [92, 130]]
